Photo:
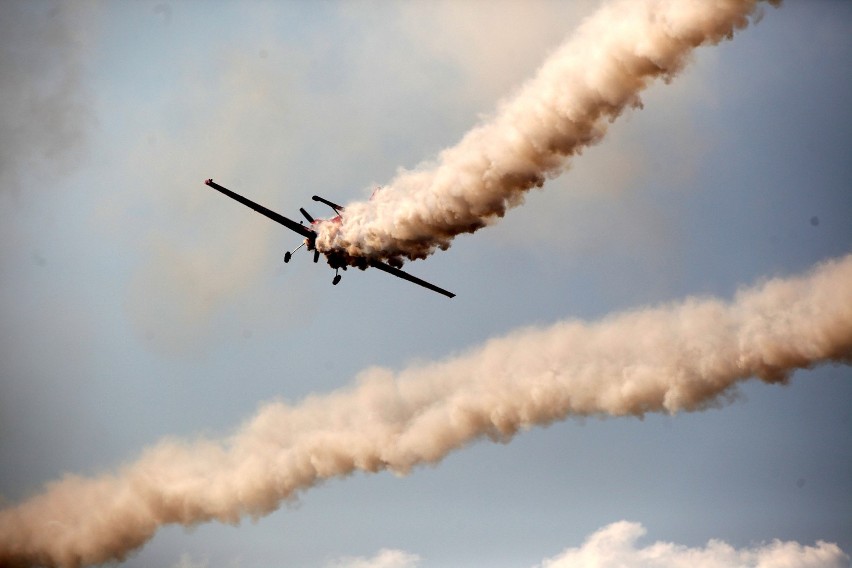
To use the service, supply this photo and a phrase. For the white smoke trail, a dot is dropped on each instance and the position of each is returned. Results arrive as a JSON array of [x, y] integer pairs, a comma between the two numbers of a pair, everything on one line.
[[584, 85], [684, 356]]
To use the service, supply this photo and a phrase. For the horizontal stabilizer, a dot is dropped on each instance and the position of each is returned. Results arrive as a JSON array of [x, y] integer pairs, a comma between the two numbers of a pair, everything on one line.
[[334, 206]]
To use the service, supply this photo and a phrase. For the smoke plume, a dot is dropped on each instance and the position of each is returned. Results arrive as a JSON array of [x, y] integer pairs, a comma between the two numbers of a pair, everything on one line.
[[679, 357], [586, 84]]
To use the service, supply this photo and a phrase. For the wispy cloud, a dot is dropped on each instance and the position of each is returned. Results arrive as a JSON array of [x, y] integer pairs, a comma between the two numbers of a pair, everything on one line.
[[187, 561], [617, 546], [45, 104], [385, 558]]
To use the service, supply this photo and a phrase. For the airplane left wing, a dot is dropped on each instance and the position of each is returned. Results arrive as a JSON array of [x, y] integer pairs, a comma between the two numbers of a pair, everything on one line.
[[277, 217]]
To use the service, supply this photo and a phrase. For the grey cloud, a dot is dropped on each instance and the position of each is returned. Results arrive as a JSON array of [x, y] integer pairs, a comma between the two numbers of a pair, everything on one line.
[[45, 104]]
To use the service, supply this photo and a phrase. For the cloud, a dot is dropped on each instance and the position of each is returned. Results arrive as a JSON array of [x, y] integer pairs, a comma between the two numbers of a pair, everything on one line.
[[385, 558], [616, 546], [186, 561], [493, 46], [199, 251], [45, 105]]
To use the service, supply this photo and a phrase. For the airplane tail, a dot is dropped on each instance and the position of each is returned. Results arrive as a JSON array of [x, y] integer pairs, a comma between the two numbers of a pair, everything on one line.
[[337, 208]]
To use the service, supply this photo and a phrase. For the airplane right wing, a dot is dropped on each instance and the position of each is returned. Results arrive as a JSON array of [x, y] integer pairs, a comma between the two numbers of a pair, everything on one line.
[[278, 218], [406, 276]]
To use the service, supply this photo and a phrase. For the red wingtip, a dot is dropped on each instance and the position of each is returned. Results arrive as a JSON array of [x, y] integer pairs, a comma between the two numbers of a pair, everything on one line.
[[208, 181]]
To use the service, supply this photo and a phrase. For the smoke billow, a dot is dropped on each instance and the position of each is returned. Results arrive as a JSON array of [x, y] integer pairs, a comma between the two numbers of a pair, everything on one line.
[[586, 84], [678, 357]]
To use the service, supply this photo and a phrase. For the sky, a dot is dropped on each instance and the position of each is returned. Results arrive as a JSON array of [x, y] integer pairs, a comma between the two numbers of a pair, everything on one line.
[[137, 305]]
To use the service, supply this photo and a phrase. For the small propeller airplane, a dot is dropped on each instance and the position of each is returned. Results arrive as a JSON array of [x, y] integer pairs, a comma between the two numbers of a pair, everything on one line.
[[336, 259]]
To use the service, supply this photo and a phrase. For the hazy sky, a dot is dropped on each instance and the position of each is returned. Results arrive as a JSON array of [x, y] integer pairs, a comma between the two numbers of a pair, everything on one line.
[[136, 304]]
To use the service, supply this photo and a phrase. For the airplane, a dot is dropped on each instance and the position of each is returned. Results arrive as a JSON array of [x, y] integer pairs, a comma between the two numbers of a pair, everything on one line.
[[336, 259]]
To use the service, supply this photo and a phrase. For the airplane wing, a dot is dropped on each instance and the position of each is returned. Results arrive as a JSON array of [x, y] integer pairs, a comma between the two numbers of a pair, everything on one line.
[[289, 223], [406, 276]]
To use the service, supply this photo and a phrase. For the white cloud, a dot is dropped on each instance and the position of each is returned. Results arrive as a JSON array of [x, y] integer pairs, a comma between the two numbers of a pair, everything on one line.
[[615, 546], [385, 558], [186, 561]]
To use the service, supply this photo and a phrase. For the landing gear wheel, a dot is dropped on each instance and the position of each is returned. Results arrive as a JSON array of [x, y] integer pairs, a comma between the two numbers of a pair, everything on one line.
[[287, 256], [337, 278]]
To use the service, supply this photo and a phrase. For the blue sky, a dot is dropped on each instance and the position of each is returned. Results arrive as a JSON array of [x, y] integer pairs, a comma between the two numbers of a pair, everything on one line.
[[136, 304]]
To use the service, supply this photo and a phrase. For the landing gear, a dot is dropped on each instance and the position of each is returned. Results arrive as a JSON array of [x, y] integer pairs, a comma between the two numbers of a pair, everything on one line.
[[288, 255], [337, 278]]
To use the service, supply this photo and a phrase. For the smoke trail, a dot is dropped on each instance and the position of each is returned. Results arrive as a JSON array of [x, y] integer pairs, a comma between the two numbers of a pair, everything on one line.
[[584, 85], [679, 357]]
